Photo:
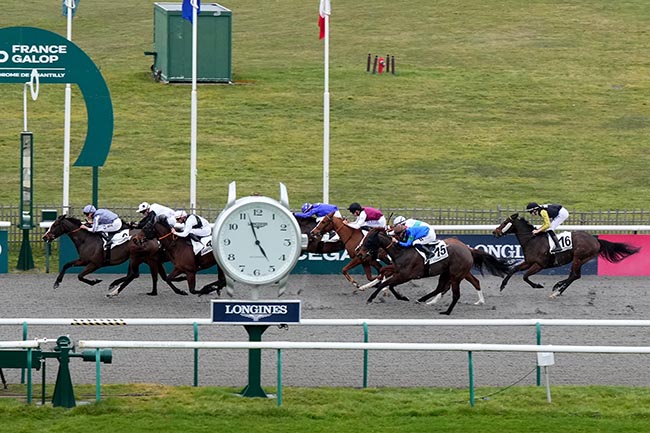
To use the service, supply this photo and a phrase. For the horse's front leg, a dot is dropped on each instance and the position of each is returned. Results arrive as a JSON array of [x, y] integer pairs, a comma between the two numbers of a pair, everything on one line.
[[520, 267], [67, 266], [353, 263], [90, 268], [535, 268]]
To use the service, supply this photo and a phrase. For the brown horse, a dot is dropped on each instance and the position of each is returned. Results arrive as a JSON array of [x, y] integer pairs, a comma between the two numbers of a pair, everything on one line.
[[537, 256], [180, 252], [91, 251], [352, 237], [141, 251], [408, 265], [316, 244]]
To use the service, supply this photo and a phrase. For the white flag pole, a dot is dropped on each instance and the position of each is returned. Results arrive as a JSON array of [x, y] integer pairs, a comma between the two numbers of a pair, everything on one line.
[[193, 110], [326, 108], [70, 4]]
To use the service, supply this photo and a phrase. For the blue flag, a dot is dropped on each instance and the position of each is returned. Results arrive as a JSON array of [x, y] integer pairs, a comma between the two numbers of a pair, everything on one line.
[[187, 9], [64, 9]]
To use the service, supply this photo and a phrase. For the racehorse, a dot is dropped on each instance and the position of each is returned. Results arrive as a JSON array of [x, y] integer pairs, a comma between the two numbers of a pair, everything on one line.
[[316, 245], [537, 256], [180, 252], [408, 265], [351, 238], [141, 251], [90, 248]]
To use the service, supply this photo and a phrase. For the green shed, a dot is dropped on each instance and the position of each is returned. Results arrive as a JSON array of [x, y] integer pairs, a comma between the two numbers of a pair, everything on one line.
[[173, 44]]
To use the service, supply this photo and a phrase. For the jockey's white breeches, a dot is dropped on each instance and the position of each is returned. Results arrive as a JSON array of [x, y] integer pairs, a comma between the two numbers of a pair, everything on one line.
[[559, 219]]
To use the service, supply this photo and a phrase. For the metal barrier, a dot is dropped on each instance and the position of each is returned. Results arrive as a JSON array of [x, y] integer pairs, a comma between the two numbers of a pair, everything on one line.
[[281, 345], [364, 323]]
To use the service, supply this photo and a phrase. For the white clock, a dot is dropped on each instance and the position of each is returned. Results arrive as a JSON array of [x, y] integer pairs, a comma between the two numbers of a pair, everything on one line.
[[256, 240]]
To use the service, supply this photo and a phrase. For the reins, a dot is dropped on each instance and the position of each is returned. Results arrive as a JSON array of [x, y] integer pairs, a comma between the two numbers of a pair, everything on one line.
[[164, 236]]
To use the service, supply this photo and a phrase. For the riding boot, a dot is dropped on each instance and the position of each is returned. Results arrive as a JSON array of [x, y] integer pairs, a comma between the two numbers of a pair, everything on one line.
[[425, 249], [556, 248]]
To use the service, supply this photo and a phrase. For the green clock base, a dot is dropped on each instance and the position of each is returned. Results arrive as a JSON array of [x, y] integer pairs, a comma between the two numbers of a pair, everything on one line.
[[254, 387]]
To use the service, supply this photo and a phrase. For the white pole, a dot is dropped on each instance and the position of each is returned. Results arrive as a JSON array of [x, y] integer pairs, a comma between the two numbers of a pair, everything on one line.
[[326, 114], [66, 123], [194, 111]]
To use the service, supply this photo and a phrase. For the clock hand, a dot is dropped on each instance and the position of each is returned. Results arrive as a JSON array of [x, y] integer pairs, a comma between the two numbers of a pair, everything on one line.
[[257, 242]]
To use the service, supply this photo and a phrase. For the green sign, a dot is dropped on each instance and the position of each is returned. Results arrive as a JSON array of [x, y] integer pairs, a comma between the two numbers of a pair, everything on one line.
[[4, 252], [58, 60]]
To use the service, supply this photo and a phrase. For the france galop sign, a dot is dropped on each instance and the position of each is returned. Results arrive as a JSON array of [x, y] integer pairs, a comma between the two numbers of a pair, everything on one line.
[[58, 60]]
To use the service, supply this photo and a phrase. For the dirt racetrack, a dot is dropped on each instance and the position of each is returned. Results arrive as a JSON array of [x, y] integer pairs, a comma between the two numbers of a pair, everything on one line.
[[31, 296]]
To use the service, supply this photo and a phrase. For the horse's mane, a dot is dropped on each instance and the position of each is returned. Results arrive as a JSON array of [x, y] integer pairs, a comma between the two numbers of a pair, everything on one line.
[[73, 219], [523, 220]]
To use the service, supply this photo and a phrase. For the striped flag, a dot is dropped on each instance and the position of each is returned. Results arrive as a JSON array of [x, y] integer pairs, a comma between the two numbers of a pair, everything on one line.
[[323, 12]]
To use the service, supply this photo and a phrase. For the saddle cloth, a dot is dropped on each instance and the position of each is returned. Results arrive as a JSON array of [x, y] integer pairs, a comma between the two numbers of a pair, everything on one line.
[[203, 246], [565, 240], [118, 238], [438, 252]]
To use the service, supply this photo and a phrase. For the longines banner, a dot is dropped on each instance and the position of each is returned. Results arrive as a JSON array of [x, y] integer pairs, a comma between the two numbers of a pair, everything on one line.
[[57, 60]]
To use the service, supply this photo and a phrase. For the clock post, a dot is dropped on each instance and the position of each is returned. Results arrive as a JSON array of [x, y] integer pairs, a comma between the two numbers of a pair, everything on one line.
[[257, 242]]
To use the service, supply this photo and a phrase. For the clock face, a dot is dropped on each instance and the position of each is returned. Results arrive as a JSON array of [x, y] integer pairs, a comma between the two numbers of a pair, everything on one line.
[[256, 241]]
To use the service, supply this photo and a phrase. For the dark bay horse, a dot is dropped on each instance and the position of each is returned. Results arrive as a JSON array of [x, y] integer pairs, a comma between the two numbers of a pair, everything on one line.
[[316, 244], [180, 252], [537, 255], [409, 265], [143, 251], [91, 251]]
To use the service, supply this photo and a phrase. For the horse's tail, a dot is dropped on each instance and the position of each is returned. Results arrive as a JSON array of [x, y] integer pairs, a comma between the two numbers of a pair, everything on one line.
[[493, 264], [616, 251]]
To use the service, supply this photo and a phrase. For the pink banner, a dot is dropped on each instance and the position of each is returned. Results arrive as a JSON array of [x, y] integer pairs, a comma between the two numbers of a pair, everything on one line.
[[635, 265]]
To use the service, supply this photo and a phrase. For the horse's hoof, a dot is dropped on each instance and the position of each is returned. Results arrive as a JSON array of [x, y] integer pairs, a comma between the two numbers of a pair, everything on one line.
[[93, 282], [55, 286], [152, 293], [446, 313], [501, 288], [554, 295], [479, 302]]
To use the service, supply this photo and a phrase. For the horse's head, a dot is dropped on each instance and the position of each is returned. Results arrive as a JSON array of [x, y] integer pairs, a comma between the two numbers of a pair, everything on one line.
[[372, 243], [62, 225], [513, 224], [325, 225]]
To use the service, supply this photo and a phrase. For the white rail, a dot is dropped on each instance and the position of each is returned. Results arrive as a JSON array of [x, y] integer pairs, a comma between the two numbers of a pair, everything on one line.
[[4, 224], [331, 322], [467, 347]]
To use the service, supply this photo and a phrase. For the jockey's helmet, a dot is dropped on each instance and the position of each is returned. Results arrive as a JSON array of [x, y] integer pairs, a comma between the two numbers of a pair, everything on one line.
[[180, 213], [532, 206], [143, 207], [354, 207], [399, 220], [89, 209], [306, 207]]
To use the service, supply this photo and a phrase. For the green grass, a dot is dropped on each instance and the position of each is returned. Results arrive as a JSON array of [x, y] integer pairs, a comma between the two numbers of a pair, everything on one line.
[[155, 408], [494, 103]]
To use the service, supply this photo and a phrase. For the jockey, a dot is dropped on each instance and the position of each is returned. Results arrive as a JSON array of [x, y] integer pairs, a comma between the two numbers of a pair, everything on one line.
[[103, 221], [552, 216], [366, 217], [418, 235], [412, 222], [157, 210], [318, 210], [193, 225]]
